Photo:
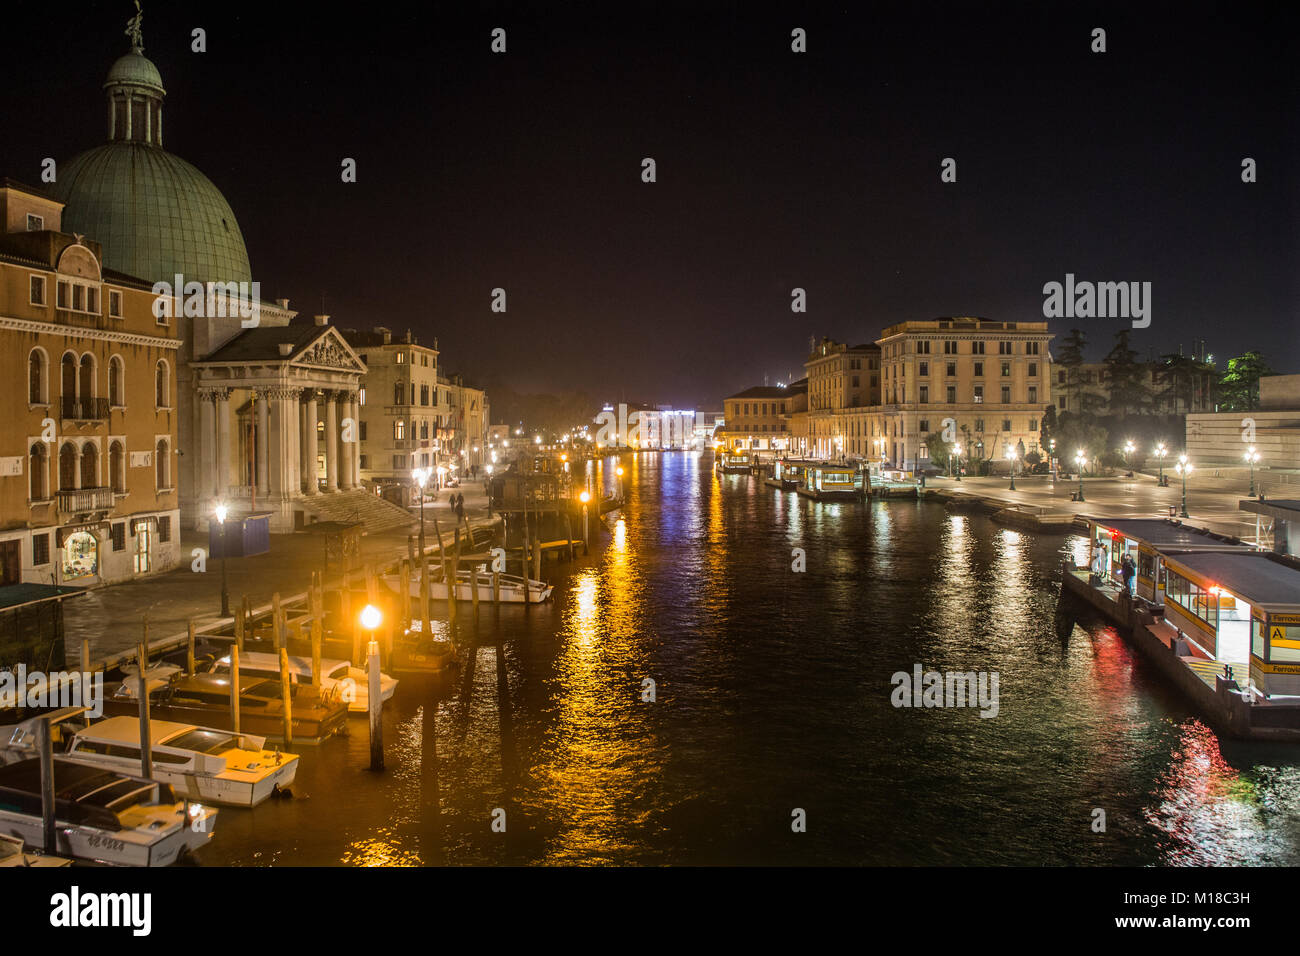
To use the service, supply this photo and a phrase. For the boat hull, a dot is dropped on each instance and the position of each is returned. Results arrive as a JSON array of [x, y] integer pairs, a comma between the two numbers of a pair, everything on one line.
[[512, 589]]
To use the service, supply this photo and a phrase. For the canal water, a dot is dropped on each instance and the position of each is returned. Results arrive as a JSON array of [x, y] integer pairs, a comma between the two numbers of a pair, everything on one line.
[[772, 695]]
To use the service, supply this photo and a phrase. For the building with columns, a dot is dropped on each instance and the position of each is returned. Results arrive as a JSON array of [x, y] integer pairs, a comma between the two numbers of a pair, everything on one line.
[[266, 405], [279, 421]]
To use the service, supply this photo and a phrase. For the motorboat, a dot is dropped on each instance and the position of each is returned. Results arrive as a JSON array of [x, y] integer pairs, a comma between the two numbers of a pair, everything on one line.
[[101, 815], [514, 589], [204, 700], [200, 763], [13, 853], [339, 679]]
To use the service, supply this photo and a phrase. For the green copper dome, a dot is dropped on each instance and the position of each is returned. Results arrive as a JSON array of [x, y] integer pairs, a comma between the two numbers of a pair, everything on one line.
[[154, 213]]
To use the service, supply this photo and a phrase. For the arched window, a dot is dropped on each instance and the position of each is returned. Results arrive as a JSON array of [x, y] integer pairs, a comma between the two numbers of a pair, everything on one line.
[[89, 465], [36, 377], [117, 468], [87, 383], [69, 380], [399, 429], [161, 464], [160, 389], [67, 467], [36, 460], [116, 385]]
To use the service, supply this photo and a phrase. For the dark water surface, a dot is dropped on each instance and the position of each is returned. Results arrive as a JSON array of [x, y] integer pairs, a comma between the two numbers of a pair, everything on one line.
[[773, 693]]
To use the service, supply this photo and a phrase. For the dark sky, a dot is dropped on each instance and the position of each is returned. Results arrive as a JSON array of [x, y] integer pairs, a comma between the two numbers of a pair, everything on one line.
[[775, 170]]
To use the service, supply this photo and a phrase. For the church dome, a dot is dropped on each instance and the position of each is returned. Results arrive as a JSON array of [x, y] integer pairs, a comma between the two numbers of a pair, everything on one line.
[[155, 214]]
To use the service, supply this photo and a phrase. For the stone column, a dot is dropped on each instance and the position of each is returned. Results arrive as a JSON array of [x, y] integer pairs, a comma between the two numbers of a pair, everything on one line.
[[309, 443], [347, 449], [355, 412], [283, 423], [331, 442], [207, 446], [263, 402], [220, 481], [293, 445]]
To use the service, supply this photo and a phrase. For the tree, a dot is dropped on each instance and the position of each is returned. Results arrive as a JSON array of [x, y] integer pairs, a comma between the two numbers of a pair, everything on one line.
[[1124, 377], [1076, 432], [1239, 383], [1179, 378], [1047, 429], [939, 449], [1071, 358]]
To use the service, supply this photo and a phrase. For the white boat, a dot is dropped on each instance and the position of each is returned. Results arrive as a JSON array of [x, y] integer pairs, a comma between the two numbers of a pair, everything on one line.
[[13, 853], [338, 679], [514, 589], [101, 816], [201, 763]]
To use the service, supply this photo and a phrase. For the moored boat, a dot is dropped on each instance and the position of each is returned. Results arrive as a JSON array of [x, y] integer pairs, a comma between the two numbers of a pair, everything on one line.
[[14, 853], [204, 699], [101, 815], [514, 589], [339, 679]]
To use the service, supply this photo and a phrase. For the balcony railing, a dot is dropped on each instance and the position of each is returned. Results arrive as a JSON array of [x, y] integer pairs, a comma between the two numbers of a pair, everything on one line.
[[86, 499], [85, 409], [88, 320]]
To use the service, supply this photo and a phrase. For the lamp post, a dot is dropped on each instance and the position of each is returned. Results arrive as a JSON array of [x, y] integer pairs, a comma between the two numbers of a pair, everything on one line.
[[419, 476], [225, 593], [1251, 457], [1160, 453], [619, 472], [1080, 460], [1011, 460], [1184, 468], [1129, 448], [584, 497], [956, 450], [370, 620]]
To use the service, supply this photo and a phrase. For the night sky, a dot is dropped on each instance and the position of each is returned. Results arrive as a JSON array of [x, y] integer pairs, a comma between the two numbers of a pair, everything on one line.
[[775, 170]]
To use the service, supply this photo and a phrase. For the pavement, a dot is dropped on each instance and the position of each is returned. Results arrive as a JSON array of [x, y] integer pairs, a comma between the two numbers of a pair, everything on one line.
[[1140, 496], [113, 617]]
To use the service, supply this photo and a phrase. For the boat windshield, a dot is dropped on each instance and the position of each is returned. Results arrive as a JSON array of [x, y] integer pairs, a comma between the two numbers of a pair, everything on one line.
[[203, 741]]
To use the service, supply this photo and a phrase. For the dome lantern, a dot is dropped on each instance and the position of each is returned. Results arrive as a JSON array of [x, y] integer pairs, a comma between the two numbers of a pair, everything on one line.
[[135, 93]]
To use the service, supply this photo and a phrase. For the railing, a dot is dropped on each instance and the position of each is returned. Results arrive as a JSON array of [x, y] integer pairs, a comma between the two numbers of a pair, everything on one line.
[[86, 499], [85, 409]]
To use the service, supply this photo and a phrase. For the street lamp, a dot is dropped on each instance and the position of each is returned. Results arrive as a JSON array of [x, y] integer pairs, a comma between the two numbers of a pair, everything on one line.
[[1011, 460], [1160, 453], [619, 472], [584, 497], [225, 593], [371, 618], [419, 476], [1252, 456], [956, 449], [1129, 448], [1080, 460], [1184, 468]]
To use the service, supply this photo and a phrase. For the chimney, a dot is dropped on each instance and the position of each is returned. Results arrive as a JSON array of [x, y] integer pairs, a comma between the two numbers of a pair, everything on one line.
[[285, 349], [322, 319], [283, 303]]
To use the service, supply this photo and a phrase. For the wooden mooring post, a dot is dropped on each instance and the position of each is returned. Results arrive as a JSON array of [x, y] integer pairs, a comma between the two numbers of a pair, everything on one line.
[[146, 738], [375, 708], [277, 621], [286, 695], [189, 647], [317, 634], [234, 689]]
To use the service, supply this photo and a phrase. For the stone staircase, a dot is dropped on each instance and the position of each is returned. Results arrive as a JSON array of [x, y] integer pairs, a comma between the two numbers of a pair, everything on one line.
[[375, 514]]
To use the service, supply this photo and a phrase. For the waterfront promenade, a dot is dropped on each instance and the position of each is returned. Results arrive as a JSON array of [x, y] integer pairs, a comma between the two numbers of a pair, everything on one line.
[[1141, 496], [111, 616]]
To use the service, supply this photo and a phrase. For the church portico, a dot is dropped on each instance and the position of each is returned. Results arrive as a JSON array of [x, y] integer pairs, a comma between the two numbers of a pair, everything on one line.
[[265, 398]]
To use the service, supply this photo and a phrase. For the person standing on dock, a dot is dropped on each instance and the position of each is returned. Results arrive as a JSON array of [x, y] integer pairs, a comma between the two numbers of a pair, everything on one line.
[[1099, 567], [1129, 570]]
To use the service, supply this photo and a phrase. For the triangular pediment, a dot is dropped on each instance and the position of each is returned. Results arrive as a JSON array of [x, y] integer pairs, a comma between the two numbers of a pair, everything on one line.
[[328, 350]]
